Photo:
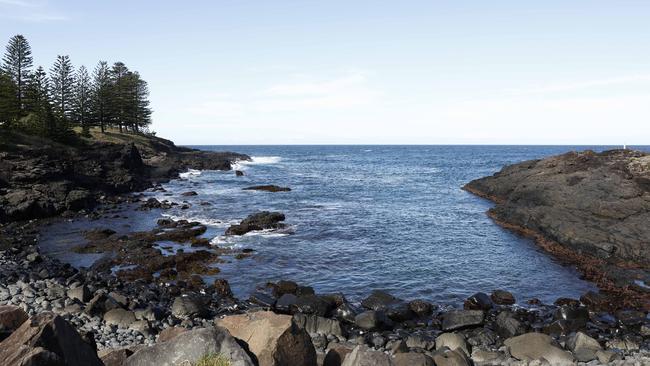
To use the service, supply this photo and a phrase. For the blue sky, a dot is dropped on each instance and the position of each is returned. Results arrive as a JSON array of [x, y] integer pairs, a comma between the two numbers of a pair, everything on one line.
[[424, 72]]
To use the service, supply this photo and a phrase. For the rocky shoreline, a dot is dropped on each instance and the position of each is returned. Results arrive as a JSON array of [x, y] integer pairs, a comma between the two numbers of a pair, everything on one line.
[[588, 209], [161, 312]]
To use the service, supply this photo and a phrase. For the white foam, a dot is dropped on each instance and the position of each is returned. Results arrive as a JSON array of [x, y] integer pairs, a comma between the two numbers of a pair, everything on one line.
[[262, 160], [203, 220], [190, 173]]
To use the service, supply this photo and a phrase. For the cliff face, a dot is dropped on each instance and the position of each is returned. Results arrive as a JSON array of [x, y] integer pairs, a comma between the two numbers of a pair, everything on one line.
[[589, 208], [41, 178]]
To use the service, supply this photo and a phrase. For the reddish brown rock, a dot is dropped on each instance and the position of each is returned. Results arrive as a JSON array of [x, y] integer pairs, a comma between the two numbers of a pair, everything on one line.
[[45, 340], [11, 317], [274, 339], [169, 333]]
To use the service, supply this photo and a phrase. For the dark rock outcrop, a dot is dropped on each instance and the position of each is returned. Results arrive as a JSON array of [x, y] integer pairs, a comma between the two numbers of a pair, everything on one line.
[[588, 208], [41, 178], [264, 220]]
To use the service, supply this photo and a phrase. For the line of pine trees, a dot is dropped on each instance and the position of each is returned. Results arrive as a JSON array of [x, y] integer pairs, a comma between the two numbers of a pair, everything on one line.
[[51, 104]]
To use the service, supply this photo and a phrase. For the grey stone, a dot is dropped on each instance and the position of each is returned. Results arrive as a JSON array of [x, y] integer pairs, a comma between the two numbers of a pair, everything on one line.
[[364, 356], [537, 346], [80, 293], [458, 319], [452, 341], [583, 347], [318, 324], [447, 357], [367, 320], [412, 359], [190, 347], [188, 307], [120, 317]]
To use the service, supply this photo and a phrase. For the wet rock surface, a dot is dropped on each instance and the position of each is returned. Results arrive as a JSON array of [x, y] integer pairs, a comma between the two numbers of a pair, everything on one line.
[[268, 188], [264, 220], [588, 208]]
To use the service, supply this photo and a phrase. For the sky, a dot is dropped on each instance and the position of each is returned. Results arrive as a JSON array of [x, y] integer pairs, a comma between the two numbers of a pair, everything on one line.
[[366, 72]]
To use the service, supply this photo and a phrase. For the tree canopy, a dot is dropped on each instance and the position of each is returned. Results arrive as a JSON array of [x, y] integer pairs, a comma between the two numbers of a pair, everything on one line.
[[50, 104]]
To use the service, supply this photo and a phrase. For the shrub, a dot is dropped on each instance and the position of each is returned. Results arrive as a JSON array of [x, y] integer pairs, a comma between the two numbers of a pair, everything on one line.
[[213, 360]]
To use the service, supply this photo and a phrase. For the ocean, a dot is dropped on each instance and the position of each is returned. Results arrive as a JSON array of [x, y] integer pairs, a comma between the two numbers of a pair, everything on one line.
[[362, 218]]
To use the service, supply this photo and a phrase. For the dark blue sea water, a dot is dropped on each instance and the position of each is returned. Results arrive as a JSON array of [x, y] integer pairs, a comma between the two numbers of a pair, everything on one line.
[[372, 217]]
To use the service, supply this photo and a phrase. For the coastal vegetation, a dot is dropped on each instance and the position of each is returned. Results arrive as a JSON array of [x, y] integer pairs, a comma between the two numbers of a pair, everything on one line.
[[51, 104]]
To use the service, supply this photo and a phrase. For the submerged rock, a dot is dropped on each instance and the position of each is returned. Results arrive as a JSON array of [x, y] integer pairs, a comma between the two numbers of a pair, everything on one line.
[[268, 188]]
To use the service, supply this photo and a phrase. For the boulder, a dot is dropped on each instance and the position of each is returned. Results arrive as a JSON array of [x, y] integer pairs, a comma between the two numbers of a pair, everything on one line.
[[537, 346], [47, 339], [262, 299], [284, 287], [274, 339], [365, 356], [478, 301], [346, 312], [188, 307], [399, 312], [318, 324], [222, 288], [11, 317], [367, 320], [421, 308], [458, 319], [583, 347], [447, 357], [412, 359], [335, 355], [115, 357], [452, 341], [379, 300], [422, 341], [119, 317], [80, 293], [311, 304], [189, 194], [286, 303], [239, 173], [100, 304], [169, 333], [507, 326], [189, 347], [501, 297], [484, 357], [570, 318]]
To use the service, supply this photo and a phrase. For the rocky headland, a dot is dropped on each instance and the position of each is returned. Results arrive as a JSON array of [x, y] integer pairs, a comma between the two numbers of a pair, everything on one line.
[[41, 178], [589, 209], [147, 304]]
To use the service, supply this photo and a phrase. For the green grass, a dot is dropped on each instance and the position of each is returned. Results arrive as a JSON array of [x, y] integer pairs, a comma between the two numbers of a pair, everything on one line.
[[213, 360]]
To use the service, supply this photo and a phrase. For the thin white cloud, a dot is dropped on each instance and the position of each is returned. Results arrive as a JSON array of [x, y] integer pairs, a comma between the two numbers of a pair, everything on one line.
[[21, 3], [307, 93], [325, 87], [580, 85], [30, 11]]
